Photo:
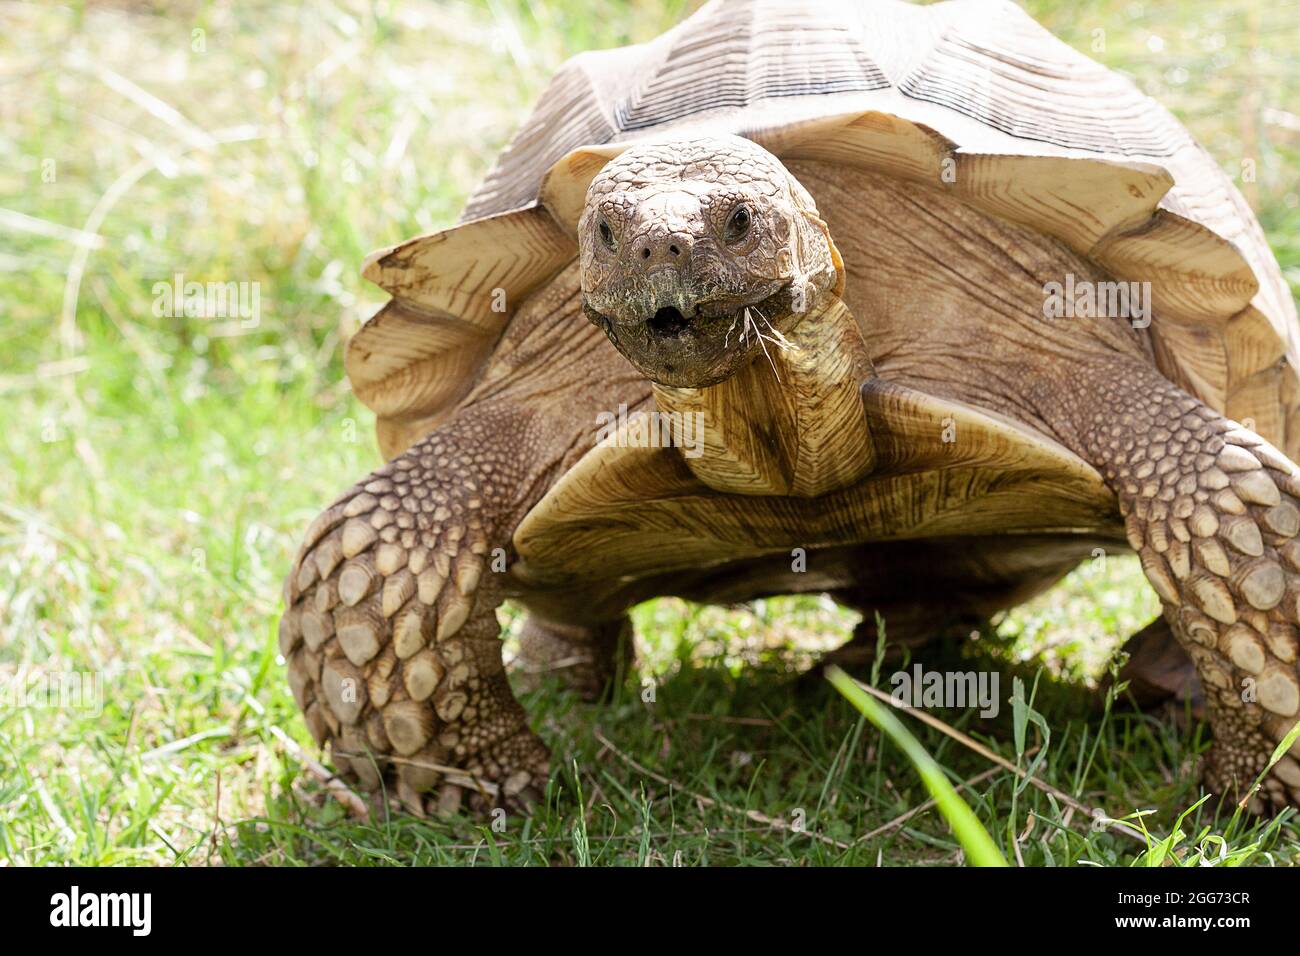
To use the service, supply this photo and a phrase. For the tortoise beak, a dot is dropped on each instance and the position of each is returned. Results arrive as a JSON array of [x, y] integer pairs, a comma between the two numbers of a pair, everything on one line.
[[667, 323], [678, 341]]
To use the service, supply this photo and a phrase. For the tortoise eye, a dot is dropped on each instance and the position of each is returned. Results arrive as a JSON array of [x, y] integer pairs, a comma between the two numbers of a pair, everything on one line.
[[606, 234], [738, 223]]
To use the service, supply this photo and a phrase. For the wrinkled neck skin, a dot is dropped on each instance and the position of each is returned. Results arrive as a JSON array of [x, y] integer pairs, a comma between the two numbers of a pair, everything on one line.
[[699, 256]]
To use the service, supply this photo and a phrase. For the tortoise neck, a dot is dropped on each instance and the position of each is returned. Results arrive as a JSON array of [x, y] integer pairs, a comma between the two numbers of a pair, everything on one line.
[[792, 421]]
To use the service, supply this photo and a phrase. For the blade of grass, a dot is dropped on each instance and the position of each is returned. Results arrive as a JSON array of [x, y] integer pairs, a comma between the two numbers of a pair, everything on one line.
[[975, 840], [969, 742], [1278, 753]]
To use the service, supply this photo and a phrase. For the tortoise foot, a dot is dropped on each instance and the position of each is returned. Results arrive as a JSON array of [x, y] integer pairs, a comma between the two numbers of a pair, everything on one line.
[[907, 630], [391, 636], [1159, 672], [586, 658]]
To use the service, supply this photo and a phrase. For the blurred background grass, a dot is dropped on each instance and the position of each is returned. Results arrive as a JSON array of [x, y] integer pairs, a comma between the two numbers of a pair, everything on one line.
[[156, 473]]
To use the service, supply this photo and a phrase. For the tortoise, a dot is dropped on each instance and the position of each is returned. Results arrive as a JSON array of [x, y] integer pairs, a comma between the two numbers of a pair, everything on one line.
[[916, 306]]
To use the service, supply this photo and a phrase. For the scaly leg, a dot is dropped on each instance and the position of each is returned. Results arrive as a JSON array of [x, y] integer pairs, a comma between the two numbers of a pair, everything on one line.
[[1159, 670], [1213, 512], [585, 657], [391, 636], [908, 628]]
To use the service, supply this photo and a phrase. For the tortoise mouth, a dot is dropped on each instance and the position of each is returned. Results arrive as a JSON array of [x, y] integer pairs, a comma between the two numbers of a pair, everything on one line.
[[703, 344], [668, 323]]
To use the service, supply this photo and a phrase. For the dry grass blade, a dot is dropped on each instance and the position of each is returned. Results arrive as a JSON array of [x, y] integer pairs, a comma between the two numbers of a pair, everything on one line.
[[754, 815], [902, 818], [972, 744], [339, 790]]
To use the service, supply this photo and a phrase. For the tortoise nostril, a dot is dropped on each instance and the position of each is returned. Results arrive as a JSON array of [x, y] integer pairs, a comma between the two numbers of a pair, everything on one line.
[[665, 250]]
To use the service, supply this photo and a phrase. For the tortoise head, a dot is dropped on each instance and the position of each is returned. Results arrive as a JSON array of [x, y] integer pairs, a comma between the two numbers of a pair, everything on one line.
[[694, 252]]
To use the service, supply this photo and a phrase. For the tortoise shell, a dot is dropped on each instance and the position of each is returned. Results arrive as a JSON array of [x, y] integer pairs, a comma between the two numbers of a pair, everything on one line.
[[969, 93]]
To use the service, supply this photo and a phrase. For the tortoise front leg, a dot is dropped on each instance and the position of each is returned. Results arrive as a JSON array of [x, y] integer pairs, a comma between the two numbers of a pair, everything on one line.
[[391, 636], [1213, 511]]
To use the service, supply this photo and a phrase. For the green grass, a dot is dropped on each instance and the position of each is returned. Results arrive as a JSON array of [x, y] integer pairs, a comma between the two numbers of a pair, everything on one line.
[[976, 843], [156, 473]]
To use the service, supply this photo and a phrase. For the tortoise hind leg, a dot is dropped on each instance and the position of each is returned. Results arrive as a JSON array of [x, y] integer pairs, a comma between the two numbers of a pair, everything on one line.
[[390, 632], [945, 588], [908, 628], [1159, 670], [586, 657], [1213, 512]]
